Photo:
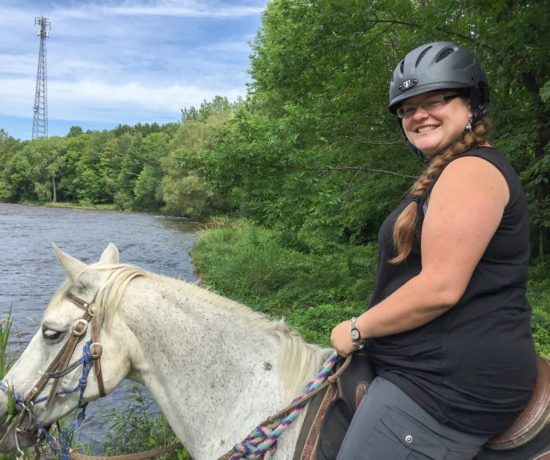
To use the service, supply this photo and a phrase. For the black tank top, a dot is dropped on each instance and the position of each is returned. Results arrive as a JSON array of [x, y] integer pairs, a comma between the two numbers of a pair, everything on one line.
[[474, 367]]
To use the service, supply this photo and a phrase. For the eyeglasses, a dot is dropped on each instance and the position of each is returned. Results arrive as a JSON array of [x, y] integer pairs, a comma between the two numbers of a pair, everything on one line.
[[432, 103]]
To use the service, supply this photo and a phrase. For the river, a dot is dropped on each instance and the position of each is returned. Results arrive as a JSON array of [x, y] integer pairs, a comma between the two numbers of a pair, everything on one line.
[[30, 273]]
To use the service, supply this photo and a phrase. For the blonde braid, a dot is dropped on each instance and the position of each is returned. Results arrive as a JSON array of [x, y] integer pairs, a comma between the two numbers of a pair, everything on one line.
[[404, 230]]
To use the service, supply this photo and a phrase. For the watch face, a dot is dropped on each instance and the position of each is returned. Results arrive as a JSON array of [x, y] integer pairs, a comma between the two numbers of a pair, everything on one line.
[[355, 334]]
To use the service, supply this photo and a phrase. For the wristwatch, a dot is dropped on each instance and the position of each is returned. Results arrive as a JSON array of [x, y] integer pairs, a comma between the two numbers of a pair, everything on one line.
[[356, 335]]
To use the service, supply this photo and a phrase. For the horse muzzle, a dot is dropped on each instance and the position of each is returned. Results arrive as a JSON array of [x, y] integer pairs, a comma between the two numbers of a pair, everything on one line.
[[19, 432]]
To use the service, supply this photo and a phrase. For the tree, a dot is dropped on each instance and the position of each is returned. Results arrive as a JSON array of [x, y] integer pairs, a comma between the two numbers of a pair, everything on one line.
[[153, 149], [315, 151], [183, 192], [75, 131], [8, 149]]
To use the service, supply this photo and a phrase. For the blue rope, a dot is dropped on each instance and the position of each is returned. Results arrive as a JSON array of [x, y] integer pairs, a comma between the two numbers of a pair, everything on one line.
[[62, 448]]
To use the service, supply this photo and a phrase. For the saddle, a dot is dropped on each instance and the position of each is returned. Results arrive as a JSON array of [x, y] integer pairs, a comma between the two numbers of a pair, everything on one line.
[[533, 418], [330, 412]]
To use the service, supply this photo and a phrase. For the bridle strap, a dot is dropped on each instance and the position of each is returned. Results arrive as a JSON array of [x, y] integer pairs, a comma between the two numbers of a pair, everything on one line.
[[96, 355], [61, 361]]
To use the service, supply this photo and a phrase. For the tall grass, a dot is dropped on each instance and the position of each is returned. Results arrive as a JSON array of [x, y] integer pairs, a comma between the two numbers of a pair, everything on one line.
[[6, 361], [316, 288], [136, 428], [538, 292]]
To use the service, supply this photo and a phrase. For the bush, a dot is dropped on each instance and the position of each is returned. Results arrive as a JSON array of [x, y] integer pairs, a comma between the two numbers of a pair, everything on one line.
[[538, 293], [314, 290]]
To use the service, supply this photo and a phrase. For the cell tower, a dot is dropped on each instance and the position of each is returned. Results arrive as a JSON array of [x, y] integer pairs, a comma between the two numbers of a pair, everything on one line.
[[40, 118]]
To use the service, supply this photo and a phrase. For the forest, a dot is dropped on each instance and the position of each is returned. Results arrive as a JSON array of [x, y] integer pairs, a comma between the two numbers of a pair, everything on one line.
[[311, 155]]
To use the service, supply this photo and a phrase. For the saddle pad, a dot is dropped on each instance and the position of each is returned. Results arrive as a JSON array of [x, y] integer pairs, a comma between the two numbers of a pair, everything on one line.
[[306, 447], [333, 430]]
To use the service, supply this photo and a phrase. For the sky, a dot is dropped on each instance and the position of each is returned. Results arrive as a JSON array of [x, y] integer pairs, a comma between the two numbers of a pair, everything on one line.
[[112, 62]]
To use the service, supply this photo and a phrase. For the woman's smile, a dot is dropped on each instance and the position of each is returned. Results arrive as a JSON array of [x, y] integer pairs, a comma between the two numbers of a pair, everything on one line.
[[433, 127]]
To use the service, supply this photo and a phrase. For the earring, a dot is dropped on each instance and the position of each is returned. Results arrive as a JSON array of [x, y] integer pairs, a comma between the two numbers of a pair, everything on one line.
[[469, 124]]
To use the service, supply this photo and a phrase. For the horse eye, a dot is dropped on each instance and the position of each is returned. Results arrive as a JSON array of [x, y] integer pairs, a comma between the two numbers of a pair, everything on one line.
[[51, 334]]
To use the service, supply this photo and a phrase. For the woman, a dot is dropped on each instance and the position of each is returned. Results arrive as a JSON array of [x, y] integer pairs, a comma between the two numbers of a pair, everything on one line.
[[447, 328]]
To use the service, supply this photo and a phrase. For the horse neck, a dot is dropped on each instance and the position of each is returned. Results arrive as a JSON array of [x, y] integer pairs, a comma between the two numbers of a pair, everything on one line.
[[214, 374]]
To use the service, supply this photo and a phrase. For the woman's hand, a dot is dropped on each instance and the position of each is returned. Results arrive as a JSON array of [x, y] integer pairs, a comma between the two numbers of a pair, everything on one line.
[[341, 339]]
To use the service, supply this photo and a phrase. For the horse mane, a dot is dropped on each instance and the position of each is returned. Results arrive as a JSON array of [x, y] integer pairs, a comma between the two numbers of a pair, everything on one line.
[[298, 360]]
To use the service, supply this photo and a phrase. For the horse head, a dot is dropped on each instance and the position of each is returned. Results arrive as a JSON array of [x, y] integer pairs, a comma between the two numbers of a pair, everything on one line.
[[55, 374]]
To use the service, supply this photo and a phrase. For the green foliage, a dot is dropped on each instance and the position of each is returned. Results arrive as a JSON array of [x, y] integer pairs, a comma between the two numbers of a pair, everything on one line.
[[218, 105], [538, 293], [5, 364], [314, 291], [5, 361], [255, 266], [545, 92], [134, 428], [183, 192], [314, 150]]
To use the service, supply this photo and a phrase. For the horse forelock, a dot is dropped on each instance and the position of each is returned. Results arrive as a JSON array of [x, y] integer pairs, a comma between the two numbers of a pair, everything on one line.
[[116, 278]]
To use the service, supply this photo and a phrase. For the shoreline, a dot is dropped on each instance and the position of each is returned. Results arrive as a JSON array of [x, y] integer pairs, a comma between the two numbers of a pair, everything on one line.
[[100, 207]]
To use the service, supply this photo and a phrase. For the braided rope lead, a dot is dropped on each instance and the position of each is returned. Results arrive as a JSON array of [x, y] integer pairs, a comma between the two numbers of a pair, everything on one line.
[[261, 443]]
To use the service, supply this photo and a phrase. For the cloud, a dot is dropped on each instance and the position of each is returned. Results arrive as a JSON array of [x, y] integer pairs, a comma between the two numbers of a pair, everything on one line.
[[121, 60], [97, 99]]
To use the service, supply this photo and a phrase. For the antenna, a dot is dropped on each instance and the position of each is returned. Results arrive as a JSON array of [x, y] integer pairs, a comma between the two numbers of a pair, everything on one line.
[[40, 117]]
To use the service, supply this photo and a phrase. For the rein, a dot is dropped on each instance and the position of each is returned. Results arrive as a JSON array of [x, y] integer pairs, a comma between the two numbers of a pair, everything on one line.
[[261, 443]]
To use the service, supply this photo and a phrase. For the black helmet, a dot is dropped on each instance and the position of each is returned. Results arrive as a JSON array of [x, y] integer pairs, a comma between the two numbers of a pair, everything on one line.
[[437, 66]]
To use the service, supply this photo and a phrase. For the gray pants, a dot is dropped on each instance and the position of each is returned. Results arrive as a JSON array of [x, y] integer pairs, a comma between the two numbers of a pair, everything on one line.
[[388, 425]]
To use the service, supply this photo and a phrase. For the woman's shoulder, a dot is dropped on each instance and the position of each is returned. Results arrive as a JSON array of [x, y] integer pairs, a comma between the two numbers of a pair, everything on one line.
[[488, 153], [493, 156], [476, 173]]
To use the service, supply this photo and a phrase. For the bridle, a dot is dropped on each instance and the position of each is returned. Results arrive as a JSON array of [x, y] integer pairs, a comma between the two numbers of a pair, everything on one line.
[[60, 367]]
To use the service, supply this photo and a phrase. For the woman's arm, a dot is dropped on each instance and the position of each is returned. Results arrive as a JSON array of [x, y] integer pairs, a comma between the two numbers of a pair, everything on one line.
[[465, 208]]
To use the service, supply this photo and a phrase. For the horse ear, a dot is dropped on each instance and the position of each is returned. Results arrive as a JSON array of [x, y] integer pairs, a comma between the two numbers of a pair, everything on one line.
[[110, 255], [72, 266]]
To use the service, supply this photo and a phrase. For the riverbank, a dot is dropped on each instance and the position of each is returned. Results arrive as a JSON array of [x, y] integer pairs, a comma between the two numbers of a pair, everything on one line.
[[75, 205]]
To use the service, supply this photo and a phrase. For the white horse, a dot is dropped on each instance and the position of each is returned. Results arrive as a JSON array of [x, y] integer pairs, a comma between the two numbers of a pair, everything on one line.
[[215, 368]]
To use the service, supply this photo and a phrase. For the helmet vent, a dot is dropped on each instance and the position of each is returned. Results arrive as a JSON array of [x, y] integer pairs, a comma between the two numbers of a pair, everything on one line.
[[402, 66], [444, 54], [422, 55]]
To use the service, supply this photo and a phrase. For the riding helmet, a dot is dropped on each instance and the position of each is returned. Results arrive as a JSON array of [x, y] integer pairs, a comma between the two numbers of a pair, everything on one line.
[[438, 66]]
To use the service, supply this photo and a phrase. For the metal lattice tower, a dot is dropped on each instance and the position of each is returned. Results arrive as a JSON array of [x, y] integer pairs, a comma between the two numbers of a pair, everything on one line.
[[40, 118]]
